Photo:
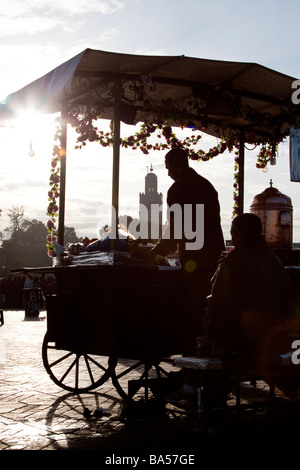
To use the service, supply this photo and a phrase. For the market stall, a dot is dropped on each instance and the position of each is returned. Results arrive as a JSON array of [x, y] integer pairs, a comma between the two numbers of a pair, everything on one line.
[[98, 304]]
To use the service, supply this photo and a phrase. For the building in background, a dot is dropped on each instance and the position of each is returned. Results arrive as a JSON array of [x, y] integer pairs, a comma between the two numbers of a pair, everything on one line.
[[150, 208]]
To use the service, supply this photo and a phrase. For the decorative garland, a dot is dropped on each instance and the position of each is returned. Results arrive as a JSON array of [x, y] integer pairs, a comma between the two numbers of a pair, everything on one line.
[[236, 171], [267, 155], [88, 132], [53, 193]]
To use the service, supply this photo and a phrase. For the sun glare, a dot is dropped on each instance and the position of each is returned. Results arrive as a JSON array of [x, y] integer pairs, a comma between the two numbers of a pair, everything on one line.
[[34, 132]]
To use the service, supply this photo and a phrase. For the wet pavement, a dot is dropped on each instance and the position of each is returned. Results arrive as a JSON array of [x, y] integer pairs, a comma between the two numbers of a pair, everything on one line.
[[36, 414]]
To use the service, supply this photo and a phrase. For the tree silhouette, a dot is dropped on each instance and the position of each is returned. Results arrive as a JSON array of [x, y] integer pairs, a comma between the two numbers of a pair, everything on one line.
[[26, 246], [16, 216]]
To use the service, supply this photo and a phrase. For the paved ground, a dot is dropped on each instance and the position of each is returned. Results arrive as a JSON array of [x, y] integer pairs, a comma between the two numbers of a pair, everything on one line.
[[36, 414]]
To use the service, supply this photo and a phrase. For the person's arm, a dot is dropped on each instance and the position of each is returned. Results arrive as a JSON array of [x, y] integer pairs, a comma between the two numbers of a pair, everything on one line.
[[166, 244], [163, 247]]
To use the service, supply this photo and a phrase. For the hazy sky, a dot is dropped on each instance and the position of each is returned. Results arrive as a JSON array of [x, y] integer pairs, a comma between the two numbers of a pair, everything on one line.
[[38, 35]]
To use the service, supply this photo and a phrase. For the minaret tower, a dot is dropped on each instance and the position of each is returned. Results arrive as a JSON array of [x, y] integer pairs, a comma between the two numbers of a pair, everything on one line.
[[152, 201]]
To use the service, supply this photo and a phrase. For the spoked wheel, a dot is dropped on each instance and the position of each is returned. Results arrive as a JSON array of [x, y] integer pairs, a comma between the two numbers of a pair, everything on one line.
[[138, 357], [74, 371], [130, 375]]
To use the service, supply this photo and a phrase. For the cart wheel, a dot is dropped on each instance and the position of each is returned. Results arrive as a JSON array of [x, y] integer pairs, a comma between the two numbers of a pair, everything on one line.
[[73, 371], [130, 375]]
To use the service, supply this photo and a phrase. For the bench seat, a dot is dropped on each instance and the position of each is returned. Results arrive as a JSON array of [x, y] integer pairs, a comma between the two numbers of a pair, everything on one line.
[[242, 368]]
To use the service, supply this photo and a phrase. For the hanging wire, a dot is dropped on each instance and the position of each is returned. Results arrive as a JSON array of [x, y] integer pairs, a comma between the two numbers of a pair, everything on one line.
[[31, 152]]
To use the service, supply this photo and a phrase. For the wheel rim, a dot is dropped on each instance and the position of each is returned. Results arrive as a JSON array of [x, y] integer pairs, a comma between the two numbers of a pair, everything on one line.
[[130, 375], [74, 371]]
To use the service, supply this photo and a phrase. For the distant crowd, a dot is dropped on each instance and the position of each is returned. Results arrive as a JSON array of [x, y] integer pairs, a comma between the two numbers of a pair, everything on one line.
[[12, 289]]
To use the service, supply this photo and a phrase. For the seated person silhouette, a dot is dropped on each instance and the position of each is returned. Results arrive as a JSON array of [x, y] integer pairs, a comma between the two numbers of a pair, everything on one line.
[[248, 309]]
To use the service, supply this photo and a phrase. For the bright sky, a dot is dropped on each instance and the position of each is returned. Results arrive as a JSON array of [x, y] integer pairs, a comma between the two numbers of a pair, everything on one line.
[[38, 35]]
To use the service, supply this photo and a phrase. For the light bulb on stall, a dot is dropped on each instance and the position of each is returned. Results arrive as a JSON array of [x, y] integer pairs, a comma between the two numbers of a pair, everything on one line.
[[31, 152]]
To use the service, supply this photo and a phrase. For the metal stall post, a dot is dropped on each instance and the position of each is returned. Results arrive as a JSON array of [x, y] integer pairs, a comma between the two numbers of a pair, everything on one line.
[[241, 173], [116, 169]]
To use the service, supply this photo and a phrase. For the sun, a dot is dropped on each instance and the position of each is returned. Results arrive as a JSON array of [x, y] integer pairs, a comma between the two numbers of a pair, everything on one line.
[[34, 130], [30, 135]]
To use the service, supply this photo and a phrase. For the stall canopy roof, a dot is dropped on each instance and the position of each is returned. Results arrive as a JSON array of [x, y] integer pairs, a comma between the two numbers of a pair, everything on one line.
[[216, 96]]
